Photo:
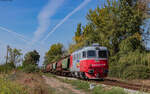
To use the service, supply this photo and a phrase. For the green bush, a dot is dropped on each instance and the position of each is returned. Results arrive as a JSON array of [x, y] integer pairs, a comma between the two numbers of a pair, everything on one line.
[[130, 71], [20, 68], [114, 71], [7, 67], [136, 72], [30, 68], [133, 65]]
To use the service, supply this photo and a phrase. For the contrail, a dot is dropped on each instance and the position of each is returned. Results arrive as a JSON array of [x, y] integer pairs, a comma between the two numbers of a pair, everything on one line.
[[44, 18], [14, 33], [26, 49], [66, 18], [18, 35]]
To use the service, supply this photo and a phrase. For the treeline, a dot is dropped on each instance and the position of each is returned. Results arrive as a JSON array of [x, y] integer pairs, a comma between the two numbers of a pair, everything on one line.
[[118, 25], [15, 61]]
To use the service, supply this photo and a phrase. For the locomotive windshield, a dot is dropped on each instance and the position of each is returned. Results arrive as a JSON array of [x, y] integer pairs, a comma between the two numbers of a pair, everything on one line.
[[91, 53], [102, 54]]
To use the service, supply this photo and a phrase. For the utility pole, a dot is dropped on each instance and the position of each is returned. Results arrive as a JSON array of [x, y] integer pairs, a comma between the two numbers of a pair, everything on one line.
[[7, 54]]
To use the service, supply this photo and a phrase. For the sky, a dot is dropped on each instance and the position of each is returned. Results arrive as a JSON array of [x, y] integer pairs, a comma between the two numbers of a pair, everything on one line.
[[37, 24]]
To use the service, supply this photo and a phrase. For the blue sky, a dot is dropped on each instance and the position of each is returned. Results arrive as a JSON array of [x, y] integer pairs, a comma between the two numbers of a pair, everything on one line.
[[33, 20]]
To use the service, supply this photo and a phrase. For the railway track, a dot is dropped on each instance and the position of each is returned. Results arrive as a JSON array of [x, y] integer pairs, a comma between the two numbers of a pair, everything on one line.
[[126, 85], [118, 83]]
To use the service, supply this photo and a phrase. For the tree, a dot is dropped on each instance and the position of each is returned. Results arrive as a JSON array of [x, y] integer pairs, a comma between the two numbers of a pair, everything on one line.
[[31, 58], [14, 55], [7, 54], [54, 54], [115, 23], [78, 34], [119, 27]]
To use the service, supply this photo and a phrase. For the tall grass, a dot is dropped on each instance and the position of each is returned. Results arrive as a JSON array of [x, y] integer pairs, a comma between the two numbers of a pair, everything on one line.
[[7, 87], [6, 68]]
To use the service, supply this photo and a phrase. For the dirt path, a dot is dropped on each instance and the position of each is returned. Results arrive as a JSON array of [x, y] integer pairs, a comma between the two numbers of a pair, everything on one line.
[[64, 88]]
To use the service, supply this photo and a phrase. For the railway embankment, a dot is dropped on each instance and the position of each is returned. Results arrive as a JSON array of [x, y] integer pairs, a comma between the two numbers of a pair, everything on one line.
[[108, 86]]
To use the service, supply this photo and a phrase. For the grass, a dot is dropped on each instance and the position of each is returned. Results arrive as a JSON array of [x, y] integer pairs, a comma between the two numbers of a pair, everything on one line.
[[100, 90], [77, 83], [8, 87]]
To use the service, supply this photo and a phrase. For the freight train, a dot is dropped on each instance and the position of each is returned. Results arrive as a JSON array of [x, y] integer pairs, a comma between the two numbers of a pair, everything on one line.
[[90, 62]]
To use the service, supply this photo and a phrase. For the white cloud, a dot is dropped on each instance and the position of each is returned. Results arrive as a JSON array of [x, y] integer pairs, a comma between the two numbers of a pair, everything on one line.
[[66, 18], [44, 18]]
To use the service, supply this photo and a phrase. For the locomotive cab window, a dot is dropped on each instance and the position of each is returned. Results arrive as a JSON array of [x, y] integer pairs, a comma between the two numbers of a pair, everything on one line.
[[91, 53], [83, 54], [102, 54]]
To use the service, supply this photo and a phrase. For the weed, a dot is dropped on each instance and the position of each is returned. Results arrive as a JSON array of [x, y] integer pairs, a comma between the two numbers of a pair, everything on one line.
[[8, 87]]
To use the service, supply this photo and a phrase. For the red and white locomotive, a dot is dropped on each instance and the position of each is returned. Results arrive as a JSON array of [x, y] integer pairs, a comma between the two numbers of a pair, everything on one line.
[[90, 62]]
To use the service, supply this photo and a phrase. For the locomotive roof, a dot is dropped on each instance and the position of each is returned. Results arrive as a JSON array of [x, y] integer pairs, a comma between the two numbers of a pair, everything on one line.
[[90, 48]]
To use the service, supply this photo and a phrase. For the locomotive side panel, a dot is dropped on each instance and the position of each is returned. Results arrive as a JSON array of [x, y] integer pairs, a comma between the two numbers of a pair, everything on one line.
[[74, 63]]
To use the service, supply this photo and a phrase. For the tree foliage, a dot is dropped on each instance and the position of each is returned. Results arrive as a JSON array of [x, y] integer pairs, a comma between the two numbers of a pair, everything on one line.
[[14, 55], [30, 63], [118, 26], [55, 53], [31, 58], [78, 34]]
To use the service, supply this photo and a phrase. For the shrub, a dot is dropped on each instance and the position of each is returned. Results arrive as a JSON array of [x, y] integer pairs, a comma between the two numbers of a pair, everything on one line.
[[7, 67], [31, 68], [114, 71], [136, 72], [126, 71], [133, 65]]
